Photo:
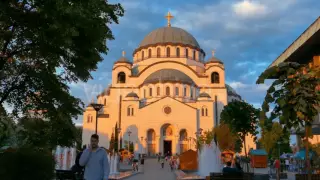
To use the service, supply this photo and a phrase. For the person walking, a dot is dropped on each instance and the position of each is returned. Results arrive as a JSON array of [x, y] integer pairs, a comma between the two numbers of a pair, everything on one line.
[[162, 163], [95, 161], [277, 167]]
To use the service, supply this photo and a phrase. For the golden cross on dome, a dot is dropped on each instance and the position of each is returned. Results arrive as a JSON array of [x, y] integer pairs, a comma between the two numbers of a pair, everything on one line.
[[123, 53], [169, 17]]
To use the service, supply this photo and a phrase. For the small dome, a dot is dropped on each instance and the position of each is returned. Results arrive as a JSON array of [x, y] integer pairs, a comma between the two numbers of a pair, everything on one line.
[[213, 59], [168, 75], [123, 60], [204, 94], [132, 94], [169, 35]]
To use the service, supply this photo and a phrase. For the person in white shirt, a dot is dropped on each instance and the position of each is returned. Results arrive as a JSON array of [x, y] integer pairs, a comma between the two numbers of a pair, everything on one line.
[[287, 164]]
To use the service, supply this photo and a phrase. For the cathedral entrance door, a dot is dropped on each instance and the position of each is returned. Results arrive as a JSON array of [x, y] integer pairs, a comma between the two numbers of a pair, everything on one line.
[[167, 147]]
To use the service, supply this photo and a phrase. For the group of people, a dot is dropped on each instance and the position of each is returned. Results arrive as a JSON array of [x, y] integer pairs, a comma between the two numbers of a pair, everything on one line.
[[173, 163]]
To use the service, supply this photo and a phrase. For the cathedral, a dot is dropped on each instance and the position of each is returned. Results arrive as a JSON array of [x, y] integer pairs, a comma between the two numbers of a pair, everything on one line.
[[162, 97]]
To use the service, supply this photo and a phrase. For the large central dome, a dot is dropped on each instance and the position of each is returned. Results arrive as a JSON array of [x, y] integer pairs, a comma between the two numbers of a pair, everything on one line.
[[172, 35]]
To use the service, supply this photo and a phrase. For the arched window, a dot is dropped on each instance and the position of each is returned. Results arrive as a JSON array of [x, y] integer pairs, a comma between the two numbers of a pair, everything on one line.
[[144, 93], [91, 119], [177, 91], [142, 54], [158, 91], [183, 135], [150, 91], [149, 53], [187, 53], [215, 79], [130, 111], [121, 77], [191, 92], [167, 91], [185, 91], [105, 102], [178, 52], [168, 51], [204, 111], [194, 55], [158, 52], [88, 118]]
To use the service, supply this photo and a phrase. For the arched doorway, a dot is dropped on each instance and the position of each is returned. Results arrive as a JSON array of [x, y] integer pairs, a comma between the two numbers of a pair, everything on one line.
[[167, 137], [151, 146], [183, 138]]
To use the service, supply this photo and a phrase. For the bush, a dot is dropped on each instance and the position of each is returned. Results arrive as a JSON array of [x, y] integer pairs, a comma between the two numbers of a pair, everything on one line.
[[27, 164]]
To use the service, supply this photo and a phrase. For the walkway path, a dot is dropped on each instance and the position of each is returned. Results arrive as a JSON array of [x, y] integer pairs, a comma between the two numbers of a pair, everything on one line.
[[152, 170]]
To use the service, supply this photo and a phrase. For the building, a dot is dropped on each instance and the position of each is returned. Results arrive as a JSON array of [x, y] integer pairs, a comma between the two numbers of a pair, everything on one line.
[[305, 50], [163, 98]]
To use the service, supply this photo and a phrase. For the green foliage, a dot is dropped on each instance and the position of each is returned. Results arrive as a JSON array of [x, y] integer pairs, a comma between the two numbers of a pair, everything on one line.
[[46, 45], [27, 164], [242, 119], [238, 145], [294, 93], [269, 138], [49, 134]]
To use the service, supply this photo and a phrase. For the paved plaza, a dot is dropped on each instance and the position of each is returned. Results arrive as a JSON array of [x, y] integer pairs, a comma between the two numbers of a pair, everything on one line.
[[152, 170]]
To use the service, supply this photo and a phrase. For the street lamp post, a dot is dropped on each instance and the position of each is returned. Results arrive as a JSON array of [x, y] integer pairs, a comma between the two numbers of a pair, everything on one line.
[[96, 107], [129, 133]]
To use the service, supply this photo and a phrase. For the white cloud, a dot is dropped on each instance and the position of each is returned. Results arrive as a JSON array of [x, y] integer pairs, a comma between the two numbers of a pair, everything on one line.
[[249, 9], [243, 87]]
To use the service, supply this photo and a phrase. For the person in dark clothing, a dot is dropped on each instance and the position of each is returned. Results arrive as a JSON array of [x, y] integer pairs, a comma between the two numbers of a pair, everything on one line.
[[238, 167], [77, 168], [229, 169]]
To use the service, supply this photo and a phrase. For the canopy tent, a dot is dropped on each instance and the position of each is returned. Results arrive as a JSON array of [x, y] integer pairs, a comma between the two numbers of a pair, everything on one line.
[[286, 155], [302, 154]]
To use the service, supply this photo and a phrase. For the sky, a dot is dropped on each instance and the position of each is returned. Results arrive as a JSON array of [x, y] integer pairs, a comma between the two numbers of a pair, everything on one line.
[[247, 35]]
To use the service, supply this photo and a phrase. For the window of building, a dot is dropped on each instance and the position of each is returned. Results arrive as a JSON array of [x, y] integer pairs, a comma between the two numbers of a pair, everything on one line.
[[168, 51], [158, 91], [178, 52], [121, 77], [91, 118], [88, 118], [149, 53], [194, 55], [204, 111], [187, 52], [150, 91], [158, 52], [185, 91], [215, 79], [191, 92], [142, 54], [105, 102], [144, 93], [130, 111], [167, 91], [177, 91]]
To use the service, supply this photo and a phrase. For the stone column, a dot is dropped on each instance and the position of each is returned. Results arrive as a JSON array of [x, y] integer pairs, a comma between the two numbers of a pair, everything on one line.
[[158, 145]]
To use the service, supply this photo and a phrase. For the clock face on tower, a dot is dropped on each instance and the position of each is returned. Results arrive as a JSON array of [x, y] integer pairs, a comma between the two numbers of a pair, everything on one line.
[[167, 110]]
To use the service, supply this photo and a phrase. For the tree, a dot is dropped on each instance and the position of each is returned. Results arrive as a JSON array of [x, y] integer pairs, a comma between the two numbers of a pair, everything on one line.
[[46, 45], [226, 139], [112, 143], [269, 138], [242, 119], [296, 97]]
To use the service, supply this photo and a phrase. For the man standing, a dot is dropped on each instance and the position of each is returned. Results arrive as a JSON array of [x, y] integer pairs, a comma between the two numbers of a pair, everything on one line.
[[95, 161]]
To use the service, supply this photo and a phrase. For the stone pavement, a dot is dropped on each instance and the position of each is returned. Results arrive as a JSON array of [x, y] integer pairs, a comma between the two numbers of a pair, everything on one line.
[[153, 171]]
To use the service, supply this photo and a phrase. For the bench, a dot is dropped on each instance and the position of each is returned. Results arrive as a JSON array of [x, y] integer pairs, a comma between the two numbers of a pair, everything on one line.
[[68, 175], [231, 176]]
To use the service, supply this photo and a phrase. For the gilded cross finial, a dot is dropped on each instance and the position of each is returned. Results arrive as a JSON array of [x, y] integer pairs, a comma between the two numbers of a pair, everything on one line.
[[169, 17], [213, 53], [123, 53]]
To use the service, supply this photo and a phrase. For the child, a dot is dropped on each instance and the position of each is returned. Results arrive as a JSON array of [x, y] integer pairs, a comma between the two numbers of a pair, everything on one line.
[[162, 163]]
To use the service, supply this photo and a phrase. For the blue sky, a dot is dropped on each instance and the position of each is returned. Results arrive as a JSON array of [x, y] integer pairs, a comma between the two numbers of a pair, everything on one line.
[[247, 36]]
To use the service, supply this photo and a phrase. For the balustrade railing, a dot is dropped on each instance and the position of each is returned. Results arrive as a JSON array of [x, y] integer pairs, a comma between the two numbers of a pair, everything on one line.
[[165, 56]]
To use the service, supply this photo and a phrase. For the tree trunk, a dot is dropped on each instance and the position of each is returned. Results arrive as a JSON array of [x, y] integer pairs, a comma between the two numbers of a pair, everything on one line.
[[245, 151], [307, 152]]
